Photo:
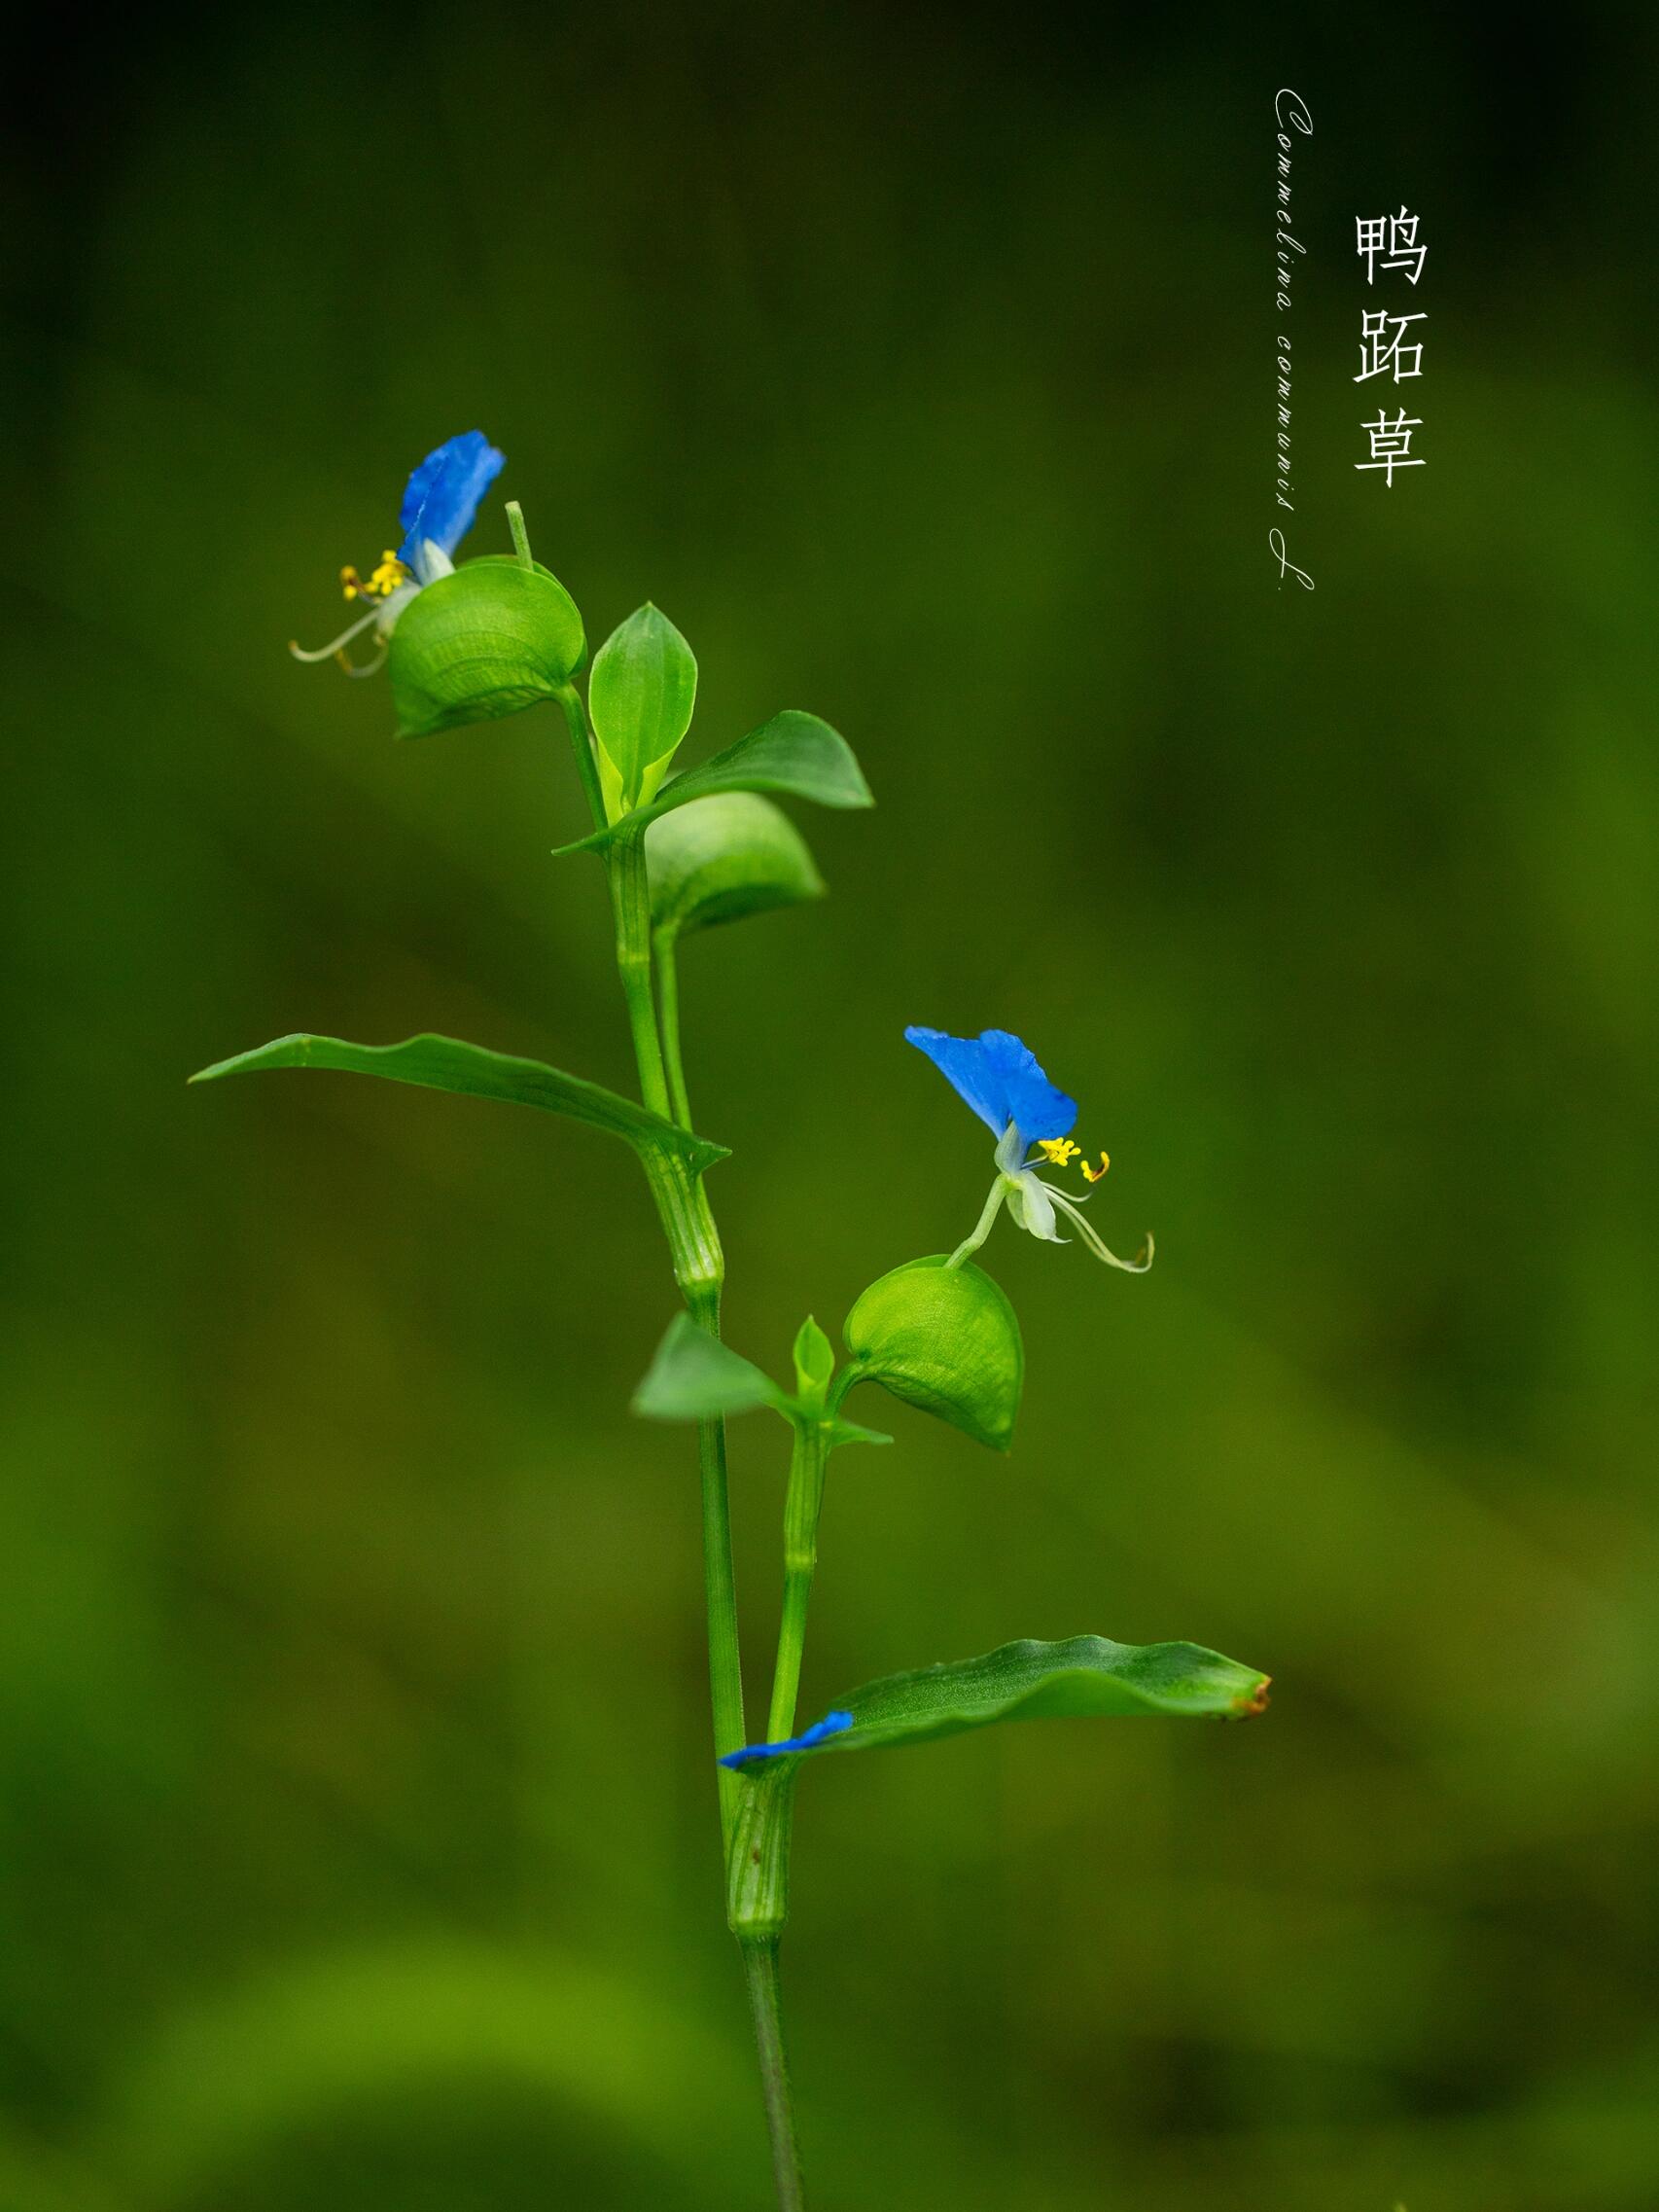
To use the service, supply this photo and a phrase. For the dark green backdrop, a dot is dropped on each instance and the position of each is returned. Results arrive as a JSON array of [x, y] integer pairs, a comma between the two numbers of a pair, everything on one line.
[[355, 1801]]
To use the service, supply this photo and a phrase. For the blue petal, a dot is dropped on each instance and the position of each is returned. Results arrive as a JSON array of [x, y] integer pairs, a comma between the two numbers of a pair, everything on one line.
[[1000, 1079], [833, 1723], [442, 496]]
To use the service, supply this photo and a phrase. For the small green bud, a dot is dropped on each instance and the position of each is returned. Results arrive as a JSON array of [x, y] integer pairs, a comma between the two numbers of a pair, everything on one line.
[[814, 1361], [947, 1339], [639, 700]]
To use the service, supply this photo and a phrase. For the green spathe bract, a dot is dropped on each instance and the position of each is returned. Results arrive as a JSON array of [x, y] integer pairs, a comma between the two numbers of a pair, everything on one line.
[[494, 639], [639, 699], [947, 1339], [723, 858], [1083, 1678]]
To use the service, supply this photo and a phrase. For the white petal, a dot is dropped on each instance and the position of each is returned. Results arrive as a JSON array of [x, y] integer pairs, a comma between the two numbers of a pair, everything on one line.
[[392, 606], [1033, 1208], [431, 561]]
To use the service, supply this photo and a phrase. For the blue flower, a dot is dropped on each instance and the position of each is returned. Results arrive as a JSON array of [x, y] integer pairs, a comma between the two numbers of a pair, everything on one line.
[[443, 496], [999, 1078], [833, 1723], [439, 501]]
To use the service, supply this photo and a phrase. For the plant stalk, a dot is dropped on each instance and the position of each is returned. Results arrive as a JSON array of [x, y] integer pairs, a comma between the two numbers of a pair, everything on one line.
[[665, 943], [694, 1243], [761, 1970], [983, 1225], [630, 905], [803, 1505], [699, 1270]]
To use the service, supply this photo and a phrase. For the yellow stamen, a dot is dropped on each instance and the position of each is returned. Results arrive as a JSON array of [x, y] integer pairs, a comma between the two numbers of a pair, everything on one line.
[[1057, 1151], [390, 576], [1094, 1174]]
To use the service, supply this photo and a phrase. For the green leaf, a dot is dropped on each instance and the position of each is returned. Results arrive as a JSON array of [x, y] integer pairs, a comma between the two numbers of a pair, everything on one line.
[[444, 1063], [490, 640], [1085, 1677], [639, 699], [947, 1339], [694, 1377], [794, 755], [721, 859]]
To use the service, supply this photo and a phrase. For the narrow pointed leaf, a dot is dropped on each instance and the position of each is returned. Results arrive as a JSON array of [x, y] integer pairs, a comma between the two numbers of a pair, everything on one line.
[[849, 1431], [694, 1377], [794, 755], [1083, 1677], [446, 1063]]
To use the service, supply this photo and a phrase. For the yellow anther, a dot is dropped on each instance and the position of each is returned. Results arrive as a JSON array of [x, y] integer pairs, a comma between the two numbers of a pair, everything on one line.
[[1094, 1174], [390, 576], [1057, 1151]]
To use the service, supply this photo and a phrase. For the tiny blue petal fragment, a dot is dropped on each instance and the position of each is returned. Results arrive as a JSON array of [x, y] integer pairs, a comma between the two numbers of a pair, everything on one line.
[[1000, 1079], [833, 1723], [442, 496]]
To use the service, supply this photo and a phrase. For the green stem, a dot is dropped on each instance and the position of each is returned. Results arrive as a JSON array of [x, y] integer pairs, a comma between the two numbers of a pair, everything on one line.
[[720, 1595], [761, 1969], [756, 1906], [520, 535], [630, 906], [693, 1242], [582, 744], [802, 1508], [983, 1225], [667, 946], [699, 1270]]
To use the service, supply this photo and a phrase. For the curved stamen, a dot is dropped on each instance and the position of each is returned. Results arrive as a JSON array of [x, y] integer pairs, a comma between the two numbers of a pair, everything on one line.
[[336, 645], [1073, 1212]]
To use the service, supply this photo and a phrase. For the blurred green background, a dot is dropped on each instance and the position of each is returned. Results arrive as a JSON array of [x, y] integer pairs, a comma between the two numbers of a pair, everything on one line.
[[357, 1811]]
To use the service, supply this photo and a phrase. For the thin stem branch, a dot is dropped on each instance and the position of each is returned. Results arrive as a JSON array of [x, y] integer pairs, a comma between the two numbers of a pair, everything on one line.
[[630, 905], [983, 1225], [582, 744], [802, 1508], [667, 948], [720, 1597], [761, 1969]]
